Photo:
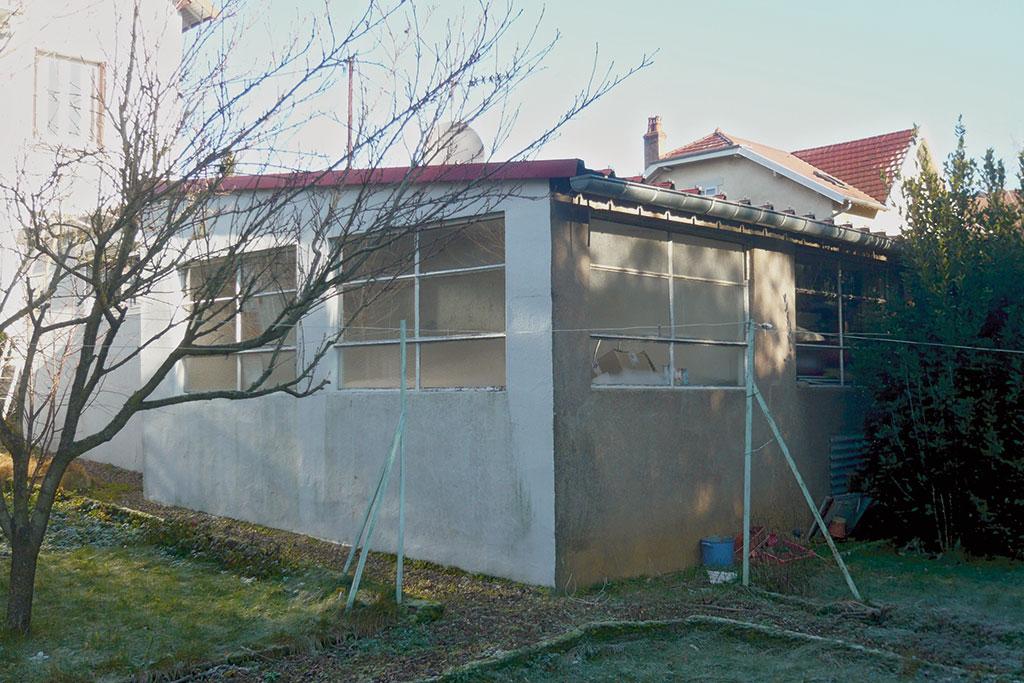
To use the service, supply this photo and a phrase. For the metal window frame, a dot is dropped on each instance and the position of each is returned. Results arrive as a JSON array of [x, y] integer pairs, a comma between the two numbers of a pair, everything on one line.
[[840, 299], [237, 355], [416, 340], [673, 340]]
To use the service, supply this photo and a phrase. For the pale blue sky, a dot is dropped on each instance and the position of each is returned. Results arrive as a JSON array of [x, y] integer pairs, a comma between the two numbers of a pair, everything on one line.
[[789, 74]]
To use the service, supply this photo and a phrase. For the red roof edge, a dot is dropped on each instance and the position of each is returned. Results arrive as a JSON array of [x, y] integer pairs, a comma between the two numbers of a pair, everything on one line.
[[541, 169]]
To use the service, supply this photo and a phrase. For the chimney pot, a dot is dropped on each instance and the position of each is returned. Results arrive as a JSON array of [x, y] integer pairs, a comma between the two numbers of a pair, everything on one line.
[[652, 141]]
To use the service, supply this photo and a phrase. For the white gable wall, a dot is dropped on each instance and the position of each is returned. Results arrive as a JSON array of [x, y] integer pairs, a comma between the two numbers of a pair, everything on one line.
[[740, 178]]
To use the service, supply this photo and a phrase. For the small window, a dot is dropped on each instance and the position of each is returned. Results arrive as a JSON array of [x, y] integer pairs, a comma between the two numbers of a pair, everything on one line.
[[709, 190], [833, 299], [263, 282], [68, 100]]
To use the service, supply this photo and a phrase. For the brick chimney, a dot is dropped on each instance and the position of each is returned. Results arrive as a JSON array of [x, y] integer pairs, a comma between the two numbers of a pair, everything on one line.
[[652, 141]]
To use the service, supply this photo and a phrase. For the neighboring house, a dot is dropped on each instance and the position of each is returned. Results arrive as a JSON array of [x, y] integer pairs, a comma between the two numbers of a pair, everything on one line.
[[576, 380], [61, 64], [852, 182]]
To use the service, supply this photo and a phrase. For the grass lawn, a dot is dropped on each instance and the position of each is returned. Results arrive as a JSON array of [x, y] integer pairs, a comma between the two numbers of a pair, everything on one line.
[[940, 618], [108, 610], [966, 617], [697, 654]]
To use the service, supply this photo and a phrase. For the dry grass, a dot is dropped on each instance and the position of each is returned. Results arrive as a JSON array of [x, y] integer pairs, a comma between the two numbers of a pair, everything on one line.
[[76, 478]]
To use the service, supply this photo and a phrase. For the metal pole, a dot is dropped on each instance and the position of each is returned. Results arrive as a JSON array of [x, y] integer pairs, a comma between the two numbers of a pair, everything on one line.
[[748, 429], [374, 507], [358, 541], [401, 472], [807, 494], [351, 80]]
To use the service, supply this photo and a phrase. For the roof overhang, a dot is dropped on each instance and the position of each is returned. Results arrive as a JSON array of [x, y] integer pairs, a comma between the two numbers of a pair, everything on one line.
[[722, 210], [738, 150]]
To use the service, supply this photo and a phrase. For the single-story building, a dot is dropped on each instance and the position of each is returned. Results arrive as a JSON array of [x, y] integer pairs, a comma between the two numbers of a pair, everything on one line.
[[576, 399]]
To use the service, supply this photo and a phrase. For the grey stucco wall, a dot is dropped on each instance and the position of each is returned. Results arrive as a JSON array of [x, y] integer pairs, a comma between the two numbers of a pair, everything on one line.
[[642, 474]]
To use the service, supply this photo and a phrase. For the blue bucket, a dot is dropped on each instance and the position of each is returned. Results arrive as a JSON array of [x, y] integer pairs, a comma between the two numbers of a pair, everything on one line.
[[716, 551]]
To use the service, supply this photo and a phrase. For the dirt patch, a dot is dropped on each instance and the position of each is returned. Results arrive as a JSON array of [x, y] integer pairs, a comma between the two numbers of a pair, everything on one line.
[[927, 616]]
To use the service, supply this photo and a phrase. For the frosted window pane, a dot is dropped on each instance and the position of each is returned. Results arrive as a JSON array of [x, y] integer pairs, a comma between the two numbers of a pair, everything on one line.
[[627, 247], [380, 254], [703, 365], [217, 274], [467, 303], [76, 100], [255, 364], [472, 363], [711, 259], [817, 364], [260, 312], [702, 310], [376, 367], [462, 246], [374, 311], [217, 325], [271, 270], [625, 362], [621, 303], [210, 373], [54, 96], [817, 276], [817, 318]]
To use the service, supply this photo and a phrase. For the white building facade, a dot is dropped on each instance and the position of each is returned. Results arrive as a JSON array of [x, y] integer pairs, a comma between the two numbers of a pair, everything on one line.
[[63, 66]]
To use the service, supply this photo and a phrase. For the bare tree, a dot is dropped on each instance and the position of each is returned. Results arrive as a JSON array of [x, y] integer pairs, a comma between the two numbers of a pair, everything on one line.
[[170, 207]]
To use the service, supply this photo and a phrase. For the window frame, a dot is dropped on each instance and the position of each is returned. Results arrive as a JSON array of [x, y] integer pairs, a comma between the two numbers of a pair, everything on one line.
[[671, 277], [842, 299], [96, 101], [238, 356], [414, 338]]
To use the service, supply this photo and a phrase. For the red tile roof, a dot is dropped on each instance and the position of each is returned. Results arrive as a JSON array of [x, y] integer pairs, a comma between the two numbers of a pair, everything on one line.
[[541, 169], [708, 143], [870, 164], [720, 140]]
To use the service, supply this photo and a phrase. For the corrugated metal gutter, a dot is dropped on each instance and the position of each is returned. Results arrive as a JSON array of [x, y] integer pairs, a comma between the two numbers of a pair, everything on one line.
[[724, 210]]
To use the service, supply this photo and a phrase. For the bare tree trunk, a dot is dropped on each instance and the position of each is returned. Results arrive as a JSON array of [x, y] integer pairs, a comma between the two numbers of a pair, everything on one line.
[[24, 555]]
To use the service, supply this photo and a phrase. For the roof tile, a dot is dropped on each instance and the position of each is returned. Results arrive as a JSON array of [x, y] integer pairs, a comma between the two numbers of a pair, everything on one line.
[[870, 164]]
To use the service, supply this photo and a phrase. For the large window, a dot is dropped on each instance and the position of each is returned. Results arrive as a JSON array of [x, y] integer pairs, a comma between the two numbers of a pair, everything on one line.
[[263, 282], [665, 309], [68, 100], [833, 299], [448, 283]]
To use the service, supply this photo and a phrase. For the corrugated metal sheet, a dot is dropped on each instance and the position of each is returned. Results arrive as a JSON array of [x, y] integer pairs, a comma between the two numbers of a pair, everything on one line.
[[845, 457]]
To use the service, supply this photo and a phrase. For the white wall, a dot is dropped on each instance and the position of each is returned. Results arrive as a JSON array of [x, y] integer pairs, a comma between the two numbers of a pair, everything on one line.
[[740, 178], [480, 486], [96, 31]]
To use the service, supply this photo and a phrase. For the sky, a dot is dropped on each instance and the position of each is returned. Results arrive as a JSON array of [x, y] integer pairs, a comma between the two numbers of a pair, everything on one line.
[[788, 74]]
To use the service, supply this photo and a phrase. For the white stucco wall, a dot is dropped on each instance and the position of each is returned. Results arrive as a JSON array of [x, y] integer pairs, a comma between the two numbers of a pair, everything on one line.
[[480, 482], [95, 31], [740, 178]]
